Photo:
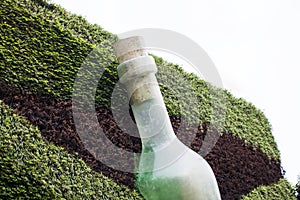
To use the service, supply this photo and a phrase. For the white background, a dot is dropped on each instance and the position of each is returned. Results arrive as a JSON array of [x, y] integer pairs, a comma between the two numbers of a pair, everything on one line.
[[255, 46]]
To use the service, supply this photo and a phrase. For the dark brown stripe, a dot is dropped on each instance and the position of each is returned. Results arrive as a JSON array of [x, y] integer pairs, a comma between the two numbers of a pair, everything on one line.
[[238, 168]]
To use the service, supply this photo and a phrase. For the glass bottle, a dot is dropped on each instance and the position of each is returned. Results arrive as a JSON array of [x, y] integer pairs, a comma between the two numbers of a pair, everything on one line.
[[167, 169]]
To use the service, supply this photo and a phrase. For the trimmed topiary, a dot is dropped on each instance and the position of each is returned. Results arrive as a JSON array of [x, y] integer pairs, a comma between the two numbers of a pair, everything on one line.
[[277, 191], [42, 49], [33, 169]]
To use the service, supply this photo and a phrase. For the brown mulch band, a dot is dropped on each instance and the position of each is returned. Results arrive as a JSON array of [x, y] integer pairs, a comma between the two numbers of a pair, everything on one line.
[[239, 168]]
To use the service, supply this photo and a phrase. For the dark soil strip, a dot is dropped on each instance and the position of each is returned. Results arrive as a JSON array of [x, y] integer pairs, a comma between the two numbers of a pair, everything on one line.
[[238, 168]]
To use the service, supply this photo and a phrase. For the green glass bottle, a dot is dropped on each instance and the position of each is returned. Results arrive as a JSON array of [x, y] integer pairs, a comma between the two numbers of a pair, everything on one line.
[[167, 169]]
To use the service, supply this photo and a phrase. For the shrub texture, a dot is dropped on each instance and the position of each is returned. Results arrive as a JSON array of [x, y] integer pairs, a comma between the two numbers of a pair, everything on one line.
[[42, 49]]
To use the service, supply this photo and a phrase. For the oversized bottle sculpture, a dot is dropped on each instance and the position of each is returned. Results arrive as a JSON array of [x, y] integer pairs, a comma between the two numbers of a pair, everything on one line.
[[167, 169]]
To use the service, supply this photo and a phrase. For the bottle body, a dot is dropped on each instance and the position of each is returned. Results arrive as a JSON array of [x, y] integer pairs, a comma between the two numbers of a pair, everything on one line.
[[167, 168]]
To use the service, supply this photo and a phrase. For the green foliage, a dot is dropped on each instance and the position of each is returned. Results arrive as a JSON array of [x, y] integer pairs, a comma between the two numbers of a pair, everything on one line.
[[78, 25], [43, 47], [249, 123], [278, 191], [39, 55], [206, 103], [32, 169]]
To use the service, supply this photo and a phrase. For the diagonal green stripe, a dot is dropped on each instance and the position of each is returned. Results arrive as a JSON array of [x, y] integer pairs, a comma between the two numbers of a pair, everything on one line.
[[32, 169]]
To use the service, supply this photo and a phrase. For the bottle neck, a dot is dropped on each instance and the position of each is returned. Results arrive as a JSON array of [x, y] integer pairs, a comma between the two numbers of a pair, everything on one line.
[[137, 72], [153, 121]]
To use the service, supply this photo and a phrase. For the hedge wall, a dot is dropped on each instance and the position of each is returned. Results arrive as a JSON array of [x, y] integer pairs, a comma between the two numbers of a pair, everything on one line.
[[41, 55], [42, 48], [278, 191], [32, 169]]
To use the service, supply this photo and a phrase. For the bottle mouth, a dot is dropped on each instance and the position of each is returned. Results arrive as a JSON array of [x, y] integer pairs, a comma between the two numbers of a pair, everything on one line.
[[128, 48]]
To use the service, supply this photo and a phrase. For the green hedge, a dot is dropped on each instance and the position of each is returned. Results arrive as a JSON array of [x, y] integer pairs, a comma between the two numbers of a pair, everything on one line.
[[242, 118], [43, 47], [33, 169], [278, 191], [36, 54], [79, 26]]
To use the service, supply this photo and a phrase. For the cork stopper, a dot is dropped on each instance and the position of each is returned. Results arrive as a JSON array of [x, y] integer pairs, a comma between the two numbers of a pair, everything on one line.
[[128, 48], [136, 69]]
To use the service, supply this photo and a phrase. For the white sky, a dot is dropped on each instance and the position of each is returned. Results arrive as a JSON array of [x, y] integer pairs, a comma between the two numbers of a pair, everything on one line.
[[254, 44]]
